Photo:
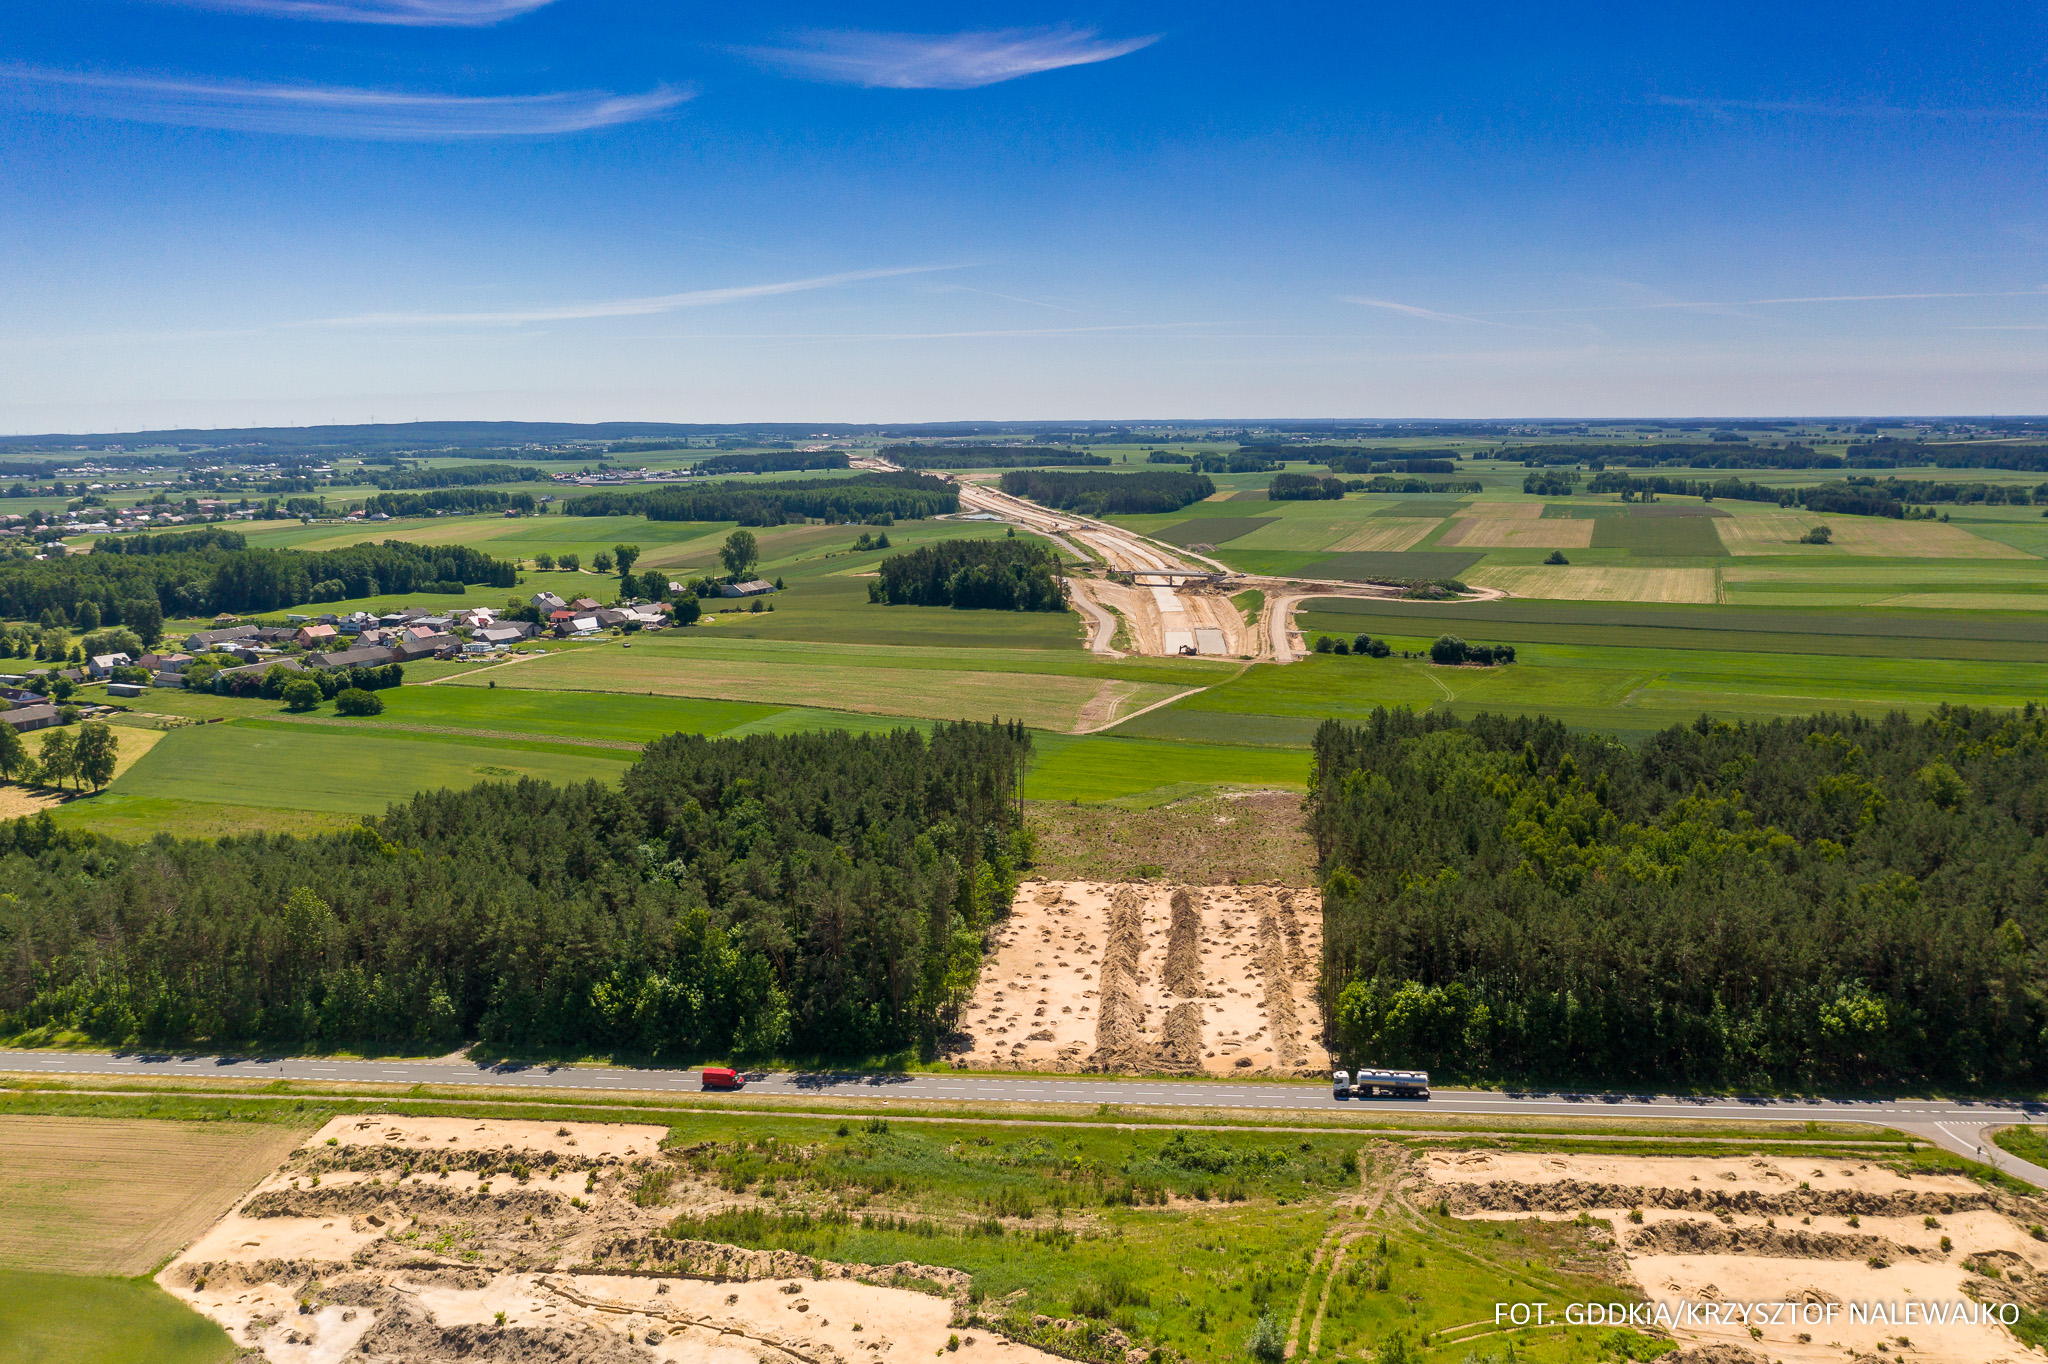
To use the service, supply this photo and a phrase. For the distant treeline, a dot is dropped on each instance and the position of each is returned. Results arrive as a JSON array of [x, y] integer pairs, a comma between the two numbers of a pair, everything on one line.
[[1388, 484], [1366, 464], [1093, 494], [823, 893], [1239, 463], [1304, 488], [449, 499], [201, 581], [456, 476], [985, 456], [1828, 900], [1686, 455], [775, 462], [974, 575], [171, 542], [1354, 459], [1859, 495], [863, 497], [1888, 454]]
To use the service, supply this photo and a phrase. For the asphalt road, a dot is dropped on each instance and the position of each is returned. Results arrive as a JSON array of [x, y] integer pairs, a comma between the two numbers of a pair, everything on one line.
[[1953, 1125]]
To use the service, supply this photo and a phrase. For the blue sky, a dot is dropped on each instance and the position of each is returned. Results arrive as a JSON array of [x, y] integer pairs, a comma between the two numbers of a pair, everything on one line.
[[238, 211]]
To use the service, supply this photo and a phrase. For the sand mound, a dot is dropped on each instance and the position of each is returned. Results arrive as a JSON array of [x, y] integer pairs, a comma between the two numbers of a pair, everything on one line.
[[1183, 1034], [1682, 1236], [1277, 977], [1572, 1195], [1120, 1026], [404, 1332], [1715, 1354], [1184, 947]]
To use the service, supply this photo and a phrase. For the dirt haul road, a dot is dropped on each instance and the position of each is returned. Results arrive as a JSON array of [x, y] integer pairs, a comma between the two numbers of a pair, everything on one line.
[[1161, 616]]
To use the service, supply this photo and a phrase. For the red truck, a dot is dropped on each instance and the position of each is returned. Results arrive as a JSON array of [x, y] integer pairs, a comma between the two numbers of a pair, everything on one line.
[[722, 1077]]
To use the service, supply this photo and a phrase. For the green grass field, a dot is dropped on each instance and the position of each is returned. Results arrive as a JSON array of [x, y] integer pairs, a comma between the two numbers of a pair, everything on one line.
[[1626, 690], [61, 1319]]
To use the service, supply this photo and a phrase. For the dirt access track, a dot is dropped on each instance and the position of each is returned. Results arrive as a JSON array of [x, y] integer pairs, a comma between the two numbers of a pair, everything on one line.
[[1142, 978], [1821, 1235], [1177, 603], [398, 1240]]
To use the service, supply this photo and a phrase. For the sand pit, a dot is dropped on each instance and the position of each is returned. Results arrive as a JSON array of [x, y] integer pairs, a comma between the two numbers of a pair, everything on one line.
[[427, 1240], [1138, 977], [1822, 1234]]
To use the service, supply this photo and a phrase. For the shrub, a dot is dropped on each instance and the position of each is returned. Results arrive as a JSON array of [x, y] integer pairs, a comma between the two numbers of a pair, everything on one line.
[[1266, 1344], [1556, 556], [356, 701], [301, 694]]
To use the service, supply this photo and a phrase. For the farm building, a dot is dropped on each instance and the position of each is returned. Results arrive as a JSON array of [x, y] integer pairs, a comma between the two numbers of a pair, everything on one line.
[[753, 587], [22, 719]]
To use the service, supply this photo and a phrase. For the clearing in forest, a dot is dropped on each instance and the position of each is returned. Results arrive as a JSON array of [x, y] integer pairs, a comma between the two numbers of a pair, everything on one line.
[[1147, 978]]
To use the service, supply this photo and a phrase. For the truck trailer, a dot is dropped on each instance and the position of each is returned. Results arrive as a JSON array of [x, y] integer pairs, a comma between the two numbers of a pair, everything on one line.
[[1392, 1084]]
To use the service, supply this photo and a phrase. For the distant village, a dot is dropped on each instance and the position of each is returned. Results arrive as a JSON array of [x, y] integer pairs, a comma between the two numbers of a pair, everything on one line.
[[236, 657]]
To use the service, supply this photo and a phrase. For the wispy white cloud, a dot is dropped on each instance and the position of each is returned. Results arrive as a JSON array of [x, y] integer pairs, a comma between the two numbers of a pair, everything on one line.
[[1408, 309], [416, 13], [326, 110], [619, 307], [1820, 109], [941, 61], [1432, 315]]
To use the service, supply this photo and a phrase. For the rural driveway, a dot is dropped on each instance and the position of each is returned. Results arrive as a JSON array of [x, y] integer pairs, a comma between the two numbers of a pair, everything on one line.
[[1955, 1125]]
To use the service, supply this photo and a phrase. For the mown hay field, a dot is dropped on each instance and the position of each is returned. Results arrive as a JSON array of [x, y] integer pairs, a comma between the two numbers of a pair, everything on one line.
[[843, 681], [1602, 583], [1390, 534], [1772, 533], [1508, 532], [88, 1196]]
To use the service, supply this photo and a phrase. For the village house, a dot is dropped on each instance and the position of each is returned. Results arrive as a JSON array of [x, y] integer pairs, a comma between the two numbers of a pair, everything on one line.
[[315, 636], [208, 639]]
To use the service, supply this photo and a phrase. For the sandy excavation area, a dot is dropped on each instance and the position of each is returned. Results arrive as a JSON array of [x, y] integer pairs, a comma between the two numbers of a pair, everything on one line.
[[1144, 978], [436, 1239], [1820, 1233]]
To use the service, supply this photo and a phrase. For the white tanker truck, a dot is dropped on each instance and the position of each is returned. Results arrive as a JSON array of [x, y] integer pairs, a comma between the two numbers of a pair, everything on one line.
[[1372, 1084]]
